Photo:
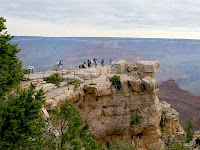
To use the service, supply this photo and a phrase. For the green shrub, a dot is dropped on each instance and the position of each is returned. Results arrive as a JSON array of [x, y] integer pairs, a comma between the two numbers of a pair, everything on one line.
[[54, 78], [75, 83], [163, 118], [136, 118], [25, 71], [116, 82], [164, 112], [92, 83], [173, 145], [188, 129]]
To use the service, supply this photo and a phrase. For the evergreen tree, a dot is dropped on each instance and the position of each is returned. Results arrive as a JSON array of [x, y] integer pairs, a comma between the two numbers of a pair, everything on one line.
[[21, 125], [188, 129], [10, 66], [74, 134]]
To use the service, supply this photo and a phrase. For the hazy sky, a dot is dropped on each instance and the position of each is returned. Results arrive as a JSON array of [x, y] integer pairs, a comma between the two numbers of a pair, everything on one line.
[[107, 18]]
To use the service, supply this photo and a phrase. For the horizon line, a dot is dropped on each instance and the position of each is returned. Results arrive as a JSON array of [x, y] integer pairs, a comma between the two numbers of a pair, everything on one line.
[[106, 37]]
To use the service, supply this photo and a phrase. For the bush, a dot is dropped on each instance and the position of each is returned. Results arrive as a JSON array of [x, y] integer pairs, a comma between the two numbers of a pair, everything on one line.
[[26, 71], [75, 83], [54, 78], [116, 82], [136, 118], [164, 112], [173, 145], [163, 118], [92, 83]]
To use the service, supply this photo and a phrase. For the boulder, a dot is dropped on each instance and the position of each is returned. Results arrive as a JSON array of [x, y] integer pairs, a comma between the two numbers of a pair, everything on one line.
[[45, 114], [104, 88], [148, 66], [150, 84], [120, 66], [50, 104], [136, 85]]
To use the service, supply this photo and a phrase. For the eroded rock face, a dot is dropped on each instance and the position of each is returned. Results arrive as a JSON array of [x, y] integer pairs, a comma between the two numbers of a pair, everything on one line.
[[170, 123], [132, 113]]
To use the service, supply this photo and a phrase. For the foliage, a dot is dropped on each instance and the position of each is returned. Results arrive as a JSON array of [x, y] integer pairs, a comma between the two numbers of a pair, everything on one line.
[[74, 134], [188, 129], [25, 71], [121, 145], [116, 82], [75, 83], [136, 118], [163, 118], [21, 123], [164, 112], [10, 66], [173, 145], [55, 79], [92, 83]]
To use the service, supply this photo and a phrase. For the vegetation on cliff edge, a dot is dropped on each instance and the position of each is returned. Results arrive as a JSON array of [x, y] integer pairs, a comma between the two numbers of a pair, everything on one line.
[[11, 72]]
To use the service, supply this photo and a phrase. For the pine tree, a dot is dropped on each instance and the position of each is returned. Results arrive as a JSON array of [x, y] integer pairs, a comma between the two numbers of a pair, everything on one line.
[[21, 125], [74, 134], [188, 129], [10, 66]]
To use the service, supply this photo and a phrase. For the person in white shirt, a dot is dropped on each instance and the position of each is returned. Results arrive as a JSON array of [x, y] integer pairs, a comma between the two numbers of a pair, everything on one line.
[[113, 64]]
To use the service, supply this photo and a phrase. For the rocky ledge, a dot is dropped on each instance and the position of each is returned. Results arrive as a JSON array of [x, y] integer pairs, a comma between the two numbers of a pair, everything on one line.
[[131, 113]]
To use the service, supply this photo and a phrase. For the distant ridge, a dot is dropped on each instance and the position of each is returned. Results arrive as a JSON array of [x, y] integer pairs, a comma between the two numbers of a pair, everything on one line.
[[187, 104]]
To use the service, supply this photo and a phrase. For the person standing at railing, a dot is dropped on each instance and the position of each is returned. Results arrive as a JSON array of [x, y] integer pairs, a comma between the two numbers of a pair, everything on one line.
[[95, 62], [113, 64], [102, 62]]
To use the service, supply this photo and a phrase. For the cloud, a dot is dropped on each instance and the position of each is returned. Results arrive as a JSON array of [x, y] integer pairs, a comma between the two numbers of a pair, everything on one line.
[[100, 15]]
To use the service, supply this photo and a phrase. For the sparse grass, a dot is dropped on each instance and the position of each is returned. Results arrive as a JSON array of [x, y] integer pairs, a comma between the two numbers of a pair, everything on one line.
[[75, 83], [54, 78], [92, 83], [136, 118]]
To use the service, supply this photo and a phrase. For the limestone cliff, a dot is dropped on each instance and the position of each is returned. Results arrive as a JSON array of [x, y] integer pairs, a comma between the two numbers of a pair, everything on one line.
[[131, 113]]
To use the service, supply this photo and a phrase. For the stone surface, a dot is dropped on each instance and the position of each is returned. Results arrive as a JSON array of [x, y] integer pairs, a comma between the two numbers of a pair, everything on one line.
[[121, 66], [150, 84], [148, 66], [45, 114], [136, 85], [170, 121]]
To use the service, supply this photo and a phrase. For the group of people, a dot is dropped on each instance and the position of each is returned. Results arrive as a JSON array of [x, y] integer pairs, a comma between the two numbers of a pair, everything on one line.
[[93, 62]]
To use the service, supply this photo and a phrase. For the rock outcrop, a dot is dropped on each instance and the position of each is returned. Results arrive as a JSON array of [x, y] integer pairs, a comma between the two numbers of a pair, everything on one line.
[[132, 113], [170, 123]]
